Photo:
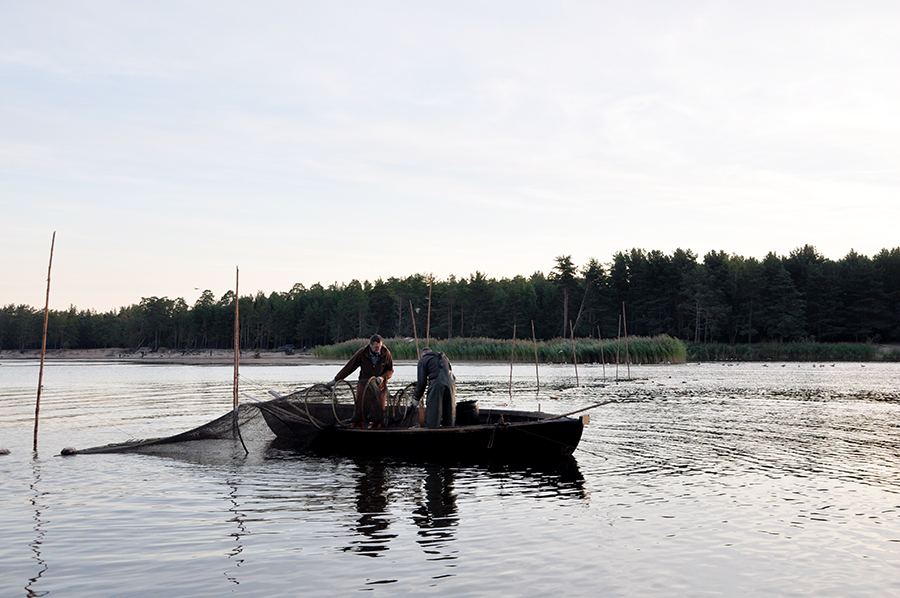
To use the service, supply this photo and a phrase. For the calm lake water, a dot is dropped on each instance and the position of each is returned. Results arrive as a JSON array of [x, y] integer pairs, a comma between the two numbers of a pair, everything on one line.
[[702, 480]]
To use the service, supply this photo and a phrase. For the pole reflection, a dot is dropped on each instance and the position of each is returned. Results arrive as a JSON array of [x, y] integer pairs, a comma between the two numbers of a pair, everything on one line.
[[37, 503], [238, 520]]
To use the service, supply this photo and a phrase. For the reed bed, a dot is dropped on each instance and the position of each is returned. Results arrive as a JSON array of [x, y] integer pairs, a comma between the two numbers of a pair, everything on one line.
[[657, 349]]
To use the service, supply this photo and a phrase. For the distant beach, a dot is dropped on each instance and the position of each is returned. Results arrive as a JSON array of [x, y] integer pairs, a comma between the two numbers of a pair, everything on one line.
[[209, 357]]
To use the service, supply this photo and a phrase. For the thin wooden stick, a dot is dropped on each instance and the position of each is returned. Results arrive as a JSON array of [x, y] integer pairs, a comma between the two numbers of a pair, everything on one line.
[[428, 321], [602, 356], [627, 354], [537, 374], [512, 355], [574, 357], [37, 405], [237, 359], [237, 336], [618, 339], [415, 334]]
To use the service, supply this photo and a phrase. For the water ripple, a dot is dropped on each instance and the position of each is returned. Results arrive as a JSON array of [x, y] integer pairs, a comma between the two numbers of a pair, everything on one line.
[[744, 479]]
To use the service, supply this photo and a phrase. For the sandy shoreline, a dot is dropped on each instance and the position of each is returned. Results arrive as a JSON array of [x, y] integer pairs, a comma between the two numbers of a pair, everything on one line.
[[214, 357]]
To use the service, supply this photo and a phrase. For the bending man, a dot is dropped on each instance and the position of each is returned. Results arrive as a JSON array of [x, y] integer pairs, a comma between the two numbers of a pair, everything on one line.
[[434, 371], [374, 361]]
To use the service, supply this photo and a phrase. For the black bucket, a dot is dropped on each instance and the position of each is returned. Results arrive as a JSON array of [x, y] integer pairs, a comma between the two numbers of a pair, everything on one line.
[[467, 413]]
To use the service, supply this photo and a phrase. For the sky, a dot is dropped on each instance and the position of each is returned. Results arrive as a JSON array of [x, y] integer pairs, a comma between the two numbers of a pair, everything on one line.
[[168, 144]]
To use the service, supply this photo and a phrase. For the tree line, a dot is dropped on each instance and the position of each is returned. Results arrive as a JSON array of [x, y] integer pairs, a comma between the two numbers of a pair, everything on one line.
[[721, 298]]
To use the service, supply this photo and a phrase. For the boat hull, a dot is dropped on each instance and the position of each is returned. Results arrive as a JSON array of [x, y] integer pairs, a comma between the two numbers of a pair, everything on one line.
[[494, 435], [509, 442]]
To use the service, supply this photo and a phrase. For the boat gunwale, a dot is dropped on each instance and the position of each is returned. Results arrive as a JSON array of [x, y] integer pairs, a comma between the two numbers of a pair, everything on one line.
[[468, 427]]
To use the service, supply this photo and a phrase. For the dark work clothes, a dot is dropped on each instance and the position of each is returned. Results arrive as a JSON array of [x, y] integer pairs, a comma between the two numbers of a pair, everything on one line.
[[382, 367], [428, 368], [369, 403], [434, 370]]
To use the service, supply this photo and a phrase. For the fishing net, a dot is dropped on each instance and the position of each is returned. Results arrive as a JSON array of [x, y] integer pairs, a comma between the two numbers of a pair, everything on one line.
[[246, 423], [294, 419]]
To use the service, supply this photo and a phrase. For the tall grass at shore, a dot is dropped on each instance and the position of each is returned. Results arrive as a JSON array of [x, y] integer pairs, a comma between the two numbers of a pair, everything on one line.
[[657, 349]]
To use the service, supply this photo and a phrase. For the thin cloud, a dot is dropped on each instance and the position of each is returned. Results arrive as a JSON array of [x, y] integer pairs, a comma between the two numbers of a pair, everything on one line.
[[291, 137]]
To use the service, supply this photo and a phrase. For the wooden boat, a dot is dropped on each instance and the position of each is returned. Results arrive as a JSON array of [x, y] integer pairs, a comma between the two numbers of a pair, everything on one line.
[[322, 427], [489, 435]]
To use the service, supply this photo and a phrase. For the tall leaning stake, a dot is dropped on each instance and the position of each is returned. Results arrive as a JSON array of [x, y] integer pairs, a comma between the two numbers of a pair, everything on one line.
[[237, 341], [37, 405], [237, 358]]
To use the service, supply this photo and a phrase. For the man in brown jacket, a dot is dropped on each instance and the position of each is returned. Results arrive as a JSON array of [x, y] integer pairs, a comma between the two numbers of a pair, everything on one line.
[[374, 361]]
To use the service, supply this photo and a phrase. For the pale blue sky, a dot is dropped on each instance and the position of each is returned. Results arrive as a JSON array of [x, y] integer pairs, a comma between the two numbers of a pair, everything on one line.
[[168, 142]]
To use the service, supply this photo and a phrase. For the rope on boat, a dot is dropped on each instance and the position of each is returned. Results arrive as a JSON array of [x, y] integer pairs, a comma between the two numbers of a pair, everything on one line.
[[571, 413], [563, 444], [259, 386], [299, 414], [110, 424], [309, 414], [392, 405], [584, 450], [518, 429], [397, 402], [372, 388], [392, 412]]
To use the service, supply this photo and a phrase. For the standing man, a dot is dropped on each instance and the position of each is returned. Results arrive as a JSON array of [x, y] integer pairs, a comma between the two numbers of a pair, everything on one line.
[[434, 371], [374, 361]]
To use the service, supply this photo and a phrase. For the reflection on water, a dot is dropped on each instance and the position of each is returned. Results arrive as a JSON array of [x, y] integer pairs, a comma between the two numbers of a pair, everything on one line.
[[427, 495]]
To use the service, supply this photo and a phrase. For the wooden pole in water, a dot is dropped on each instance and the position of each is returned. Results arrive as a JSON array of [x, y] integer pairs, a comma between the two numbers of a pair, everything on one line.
[[618, 340], [512, 355], [37, 405], [574, 356], [237, 337], [537, 374], [627, 353], [415, 335], [237, 359], [428, 321], [602, 356]]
